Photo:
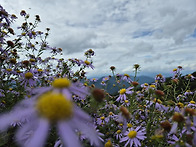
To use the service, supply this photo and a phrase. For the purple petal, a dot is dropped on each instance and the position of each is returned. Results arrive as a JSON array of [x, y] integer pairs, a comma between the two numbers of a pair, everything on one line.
[[124, 139], [8, 118], [81, 114], [40, 134], [88, 130], [68, 136], [128, 141]]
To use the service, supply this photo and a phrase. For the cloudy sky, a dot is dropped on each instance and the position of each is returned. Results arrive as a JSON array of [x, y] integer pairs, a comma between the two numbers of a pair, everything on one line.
[[157, 34]]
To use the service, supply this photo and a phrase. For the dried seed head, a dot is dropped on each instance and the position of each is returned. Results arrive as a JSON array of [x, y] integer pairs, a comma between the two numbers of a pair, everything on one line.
[[13, 60], [135, 83], [10, 44], [166, 125], [11, 31], [190, 111], [175, 81], [159, 93], [178, 117], [125, 112], [25, 62], [112, 68], [98, 94], [3, 13], [136, 66]]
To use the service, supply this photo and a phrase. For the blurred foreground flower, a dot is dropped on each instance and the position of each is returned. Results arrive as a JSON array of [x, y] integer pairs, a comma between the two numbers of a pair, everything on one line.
[[54, 106]]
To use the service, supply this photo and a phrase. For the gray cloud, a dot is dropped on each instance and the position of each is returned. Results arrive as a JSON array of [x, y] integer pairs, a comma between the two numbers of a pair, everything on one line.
[[143, 47], [151, 33], [78, 41]]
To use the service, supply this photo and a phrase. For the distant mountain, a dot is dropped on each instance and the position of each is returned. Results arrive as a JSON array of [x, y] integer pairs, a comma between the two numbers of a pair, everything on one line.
[[113, 87]]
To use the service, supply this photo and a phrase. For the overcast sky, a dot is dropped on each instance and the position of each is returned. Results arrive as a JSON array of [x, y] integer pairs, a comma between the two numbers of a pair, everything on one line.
[[157, 34]]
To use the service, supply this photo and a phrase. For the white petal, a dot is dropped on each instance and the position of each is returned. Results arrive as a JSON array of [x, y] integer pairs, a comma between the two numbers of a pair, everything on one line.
[[67, 135]]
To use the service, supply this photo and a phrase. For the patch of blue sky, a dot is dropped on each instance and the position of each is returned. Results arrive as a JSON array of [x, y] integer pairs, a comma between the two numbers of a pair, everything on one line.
[[194, 34], [142, 34]]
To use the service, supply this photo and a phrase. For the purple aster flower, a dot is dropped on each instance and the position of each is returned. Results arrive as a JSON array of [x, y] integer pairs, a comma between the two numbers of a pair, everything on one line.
[[134, 136], [127, 78], [192, 104], [93, 80], [159, 78], [50, 107], [188, 92], [122, 97], [118, 134], [190, 77], [105, 79], [102, 120], [86, 63], [145, 86], [28, 79]]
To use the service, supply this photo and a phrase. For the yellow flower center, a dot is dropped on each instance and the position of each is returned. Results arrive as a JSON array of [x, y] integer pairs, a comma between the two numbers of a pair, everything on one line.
[[110, 113], [132, 134], [126, 101], [192, 102], [23, 34], [9, 69], [28, 75], [118, 131], [33, 33], [152, 86], [54, 106], [87, 62], [18, 71], [102, 118], [129, 125], [32, 60], [122, 91], [40, 70], [121, 125], [181, 105], [108, 144], [146, 84], [61, 83], [126, 75], [175, 69]]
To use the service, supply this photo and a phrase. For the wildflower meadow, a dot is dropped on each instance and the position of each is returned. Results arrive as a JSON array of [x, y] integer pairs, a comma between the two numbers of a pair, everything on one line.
[[47, 100]]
